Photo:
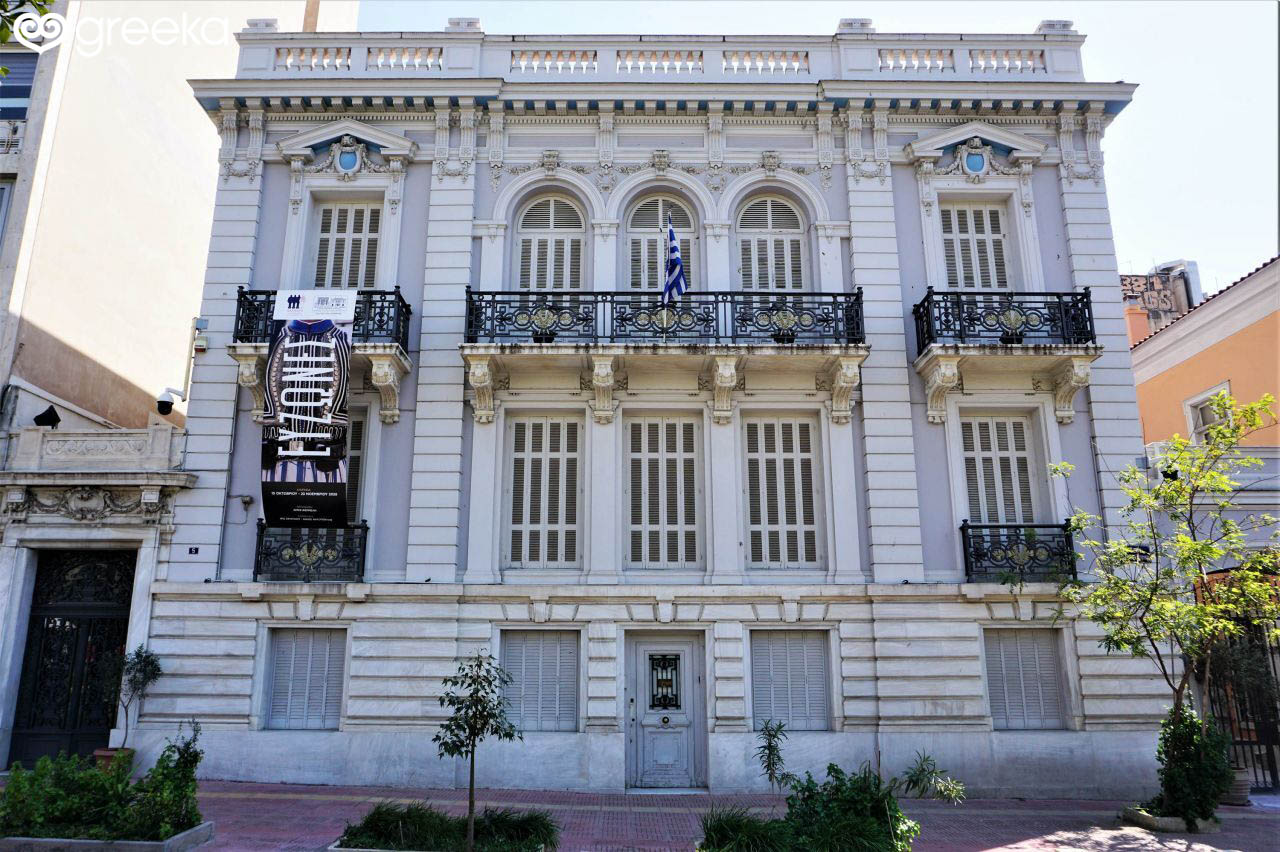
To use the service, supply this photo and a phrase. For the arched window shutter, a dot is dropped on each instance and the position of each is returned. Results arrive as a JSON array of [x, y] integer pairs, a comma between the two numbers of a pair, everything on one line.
[[550, 242], [771, 246], [647, 242]]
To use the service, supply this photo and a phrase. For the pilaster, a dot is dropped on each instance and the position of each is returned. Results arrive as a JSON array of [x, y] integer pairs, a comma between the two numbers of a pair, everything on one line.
[[602, 677], [729, 701]]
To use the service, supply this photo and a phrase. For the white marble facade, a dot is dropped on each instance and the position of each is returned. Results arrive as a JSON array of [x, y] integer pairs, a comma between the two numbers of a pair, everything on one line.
[[876, 155]]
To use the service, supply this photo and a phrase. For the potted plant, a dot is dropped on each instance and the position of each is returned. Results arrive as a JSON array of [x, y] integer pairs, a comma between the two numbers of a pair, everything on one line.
[[141, 671]]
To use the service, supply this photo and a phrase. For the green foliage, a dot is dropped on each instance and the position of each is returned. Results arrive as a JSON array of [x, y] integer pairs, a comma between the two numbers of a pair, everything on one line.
[[417, 825], [141, 671], [769, 753], [925, 780], [1194, 770], [738, 830], [70, 797], [10, 10]]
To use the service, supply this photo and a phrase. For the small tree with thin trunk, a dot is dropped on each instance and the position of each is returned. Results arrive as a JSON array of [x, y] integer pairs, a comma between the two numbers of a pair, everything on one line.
[[479, 711], [141, 671]]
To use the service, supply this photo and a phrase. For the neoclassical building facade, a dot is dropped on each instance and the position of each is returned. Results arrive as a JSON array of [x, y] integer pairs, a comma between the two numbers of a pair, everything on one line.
[[814, 489]]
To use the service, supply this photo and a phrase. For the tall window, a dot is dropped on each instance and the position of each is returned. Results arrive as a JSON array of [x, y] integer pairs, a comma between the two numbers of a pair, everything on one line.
[[771, 246], [973, 243], [789, 679], [782, 494], [357, 432], [543, 665], [347, 245], [15, 87], [543, 493], [998, 466], [663, 499], [1024, 679], [550, 240], [306, 678], [647, 241]]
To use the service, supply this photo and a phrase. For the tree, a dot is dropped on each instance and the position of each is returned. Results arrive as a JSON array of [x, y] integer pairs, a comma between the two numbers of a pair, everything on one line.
[[10, 11], [141, 670], [479, 708], [1187, 570]]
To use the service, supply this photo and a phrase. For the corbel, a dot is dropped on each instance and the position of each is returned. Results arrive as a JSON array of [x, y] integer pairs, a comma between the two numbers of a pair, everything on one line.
[[605, 134], [1068, 379], [715, 133], [497, 135], [941, 375], [724, 382], [228, 127], [605, 231], [480, 377], [250, 374], [925, 168], [602, 383], [15, 502], [466, 131], [149, 500], [388, 365], [539, 611], [256, 134], [306, 607], [853, 135], [716, 230], [880, 130], [297, 166], [845, 376], [442, 134], [790, 610]]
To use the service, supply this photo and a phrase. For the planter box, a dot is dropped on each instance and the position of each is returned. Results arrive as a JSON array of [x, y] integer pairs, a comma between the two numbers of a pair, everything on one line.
[[189, 839], [1141, 818]]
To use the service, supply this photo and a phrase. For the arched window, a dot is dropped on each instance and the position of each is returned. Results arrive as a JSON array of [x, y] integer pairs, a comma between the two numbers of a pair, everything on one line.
[[647, 241], [550, 240], [771, 246]]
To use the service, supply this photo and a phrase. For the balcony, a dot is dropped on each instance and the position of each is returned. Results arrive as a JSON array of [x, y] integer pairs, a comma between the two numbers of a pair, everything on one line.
[[1013, 553], [379, 337], [310, 555], [1040, 340], [717, 335]]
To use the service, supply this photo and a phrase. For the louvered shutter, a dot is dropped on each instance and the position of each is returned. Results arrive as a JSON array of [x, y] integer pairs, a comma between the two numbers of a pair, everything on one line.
[[973, 243], [543, 665], [789, 679], [347, 245], [1024, 679], [647, 242], [662, 492], [998, 462], [307, 668], [544, 492], [771, 246], [550, 241], [356, 426], [782, 498]]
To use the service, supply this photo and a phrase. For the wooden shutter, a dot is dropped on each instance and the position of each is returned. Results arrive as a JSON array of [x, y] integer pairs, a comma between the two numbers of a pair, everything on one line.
[[973, 243], [307, 678], [1024, 679], [998, 464], [550, 241], [662, 492], [347, 245], [770, 244], [544, 491], [544, 678], [782, 493], [789, 679], [356, 432], [647, 238]]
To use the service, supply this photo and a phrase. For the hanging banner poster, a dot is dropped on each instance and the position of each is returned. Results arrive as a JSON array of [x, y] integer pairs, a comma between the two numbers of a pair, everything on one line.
[[304, 431]]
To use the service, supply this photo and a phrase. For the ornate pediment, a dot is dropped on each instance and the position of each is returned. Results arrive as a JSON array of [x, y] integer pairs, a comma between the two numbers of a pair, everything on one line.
[[932, 147], [389, 144]]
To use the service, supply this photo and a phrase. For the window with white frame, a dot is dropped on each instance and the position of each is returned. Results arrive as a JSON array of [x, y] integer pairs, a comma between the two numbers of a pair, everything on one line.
[[543, 665], [357, 438], [770, 246], [1000, 469], [346, 241], [543, 491], [306, 681], [663, 492], [789, 679], [647, 242], [1200, 414], [1024, 678], [782, 492], [973, 245], [550, 241]]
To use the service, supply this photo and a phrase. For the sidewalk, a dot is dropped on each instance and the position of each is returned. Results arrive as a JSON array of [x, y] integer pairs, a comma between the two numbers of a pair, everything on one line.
[[295, 817]]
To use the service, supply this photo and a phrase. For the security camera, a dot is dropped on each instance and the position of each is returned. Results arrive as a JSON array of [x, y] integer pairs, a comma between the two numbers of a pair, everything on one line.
[[164, 402]]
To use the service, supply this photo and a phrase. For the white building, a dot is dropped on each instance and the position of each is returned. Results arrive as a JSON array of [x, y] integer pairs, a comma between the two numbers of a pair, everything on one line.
[[791, 496]]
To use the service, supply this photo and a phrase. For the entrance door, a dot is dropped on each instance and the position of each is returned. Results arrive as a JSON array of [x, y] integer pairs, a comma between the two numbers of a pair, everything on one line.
[[665, 724], [75, 649]]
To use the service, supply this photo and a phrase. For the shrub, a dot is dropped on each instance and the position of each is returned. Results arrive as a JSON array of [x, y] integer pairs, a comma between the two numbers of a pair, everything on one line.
[[738, 830], [417, 825], [848, 812], [70, 797], [1195, 772]]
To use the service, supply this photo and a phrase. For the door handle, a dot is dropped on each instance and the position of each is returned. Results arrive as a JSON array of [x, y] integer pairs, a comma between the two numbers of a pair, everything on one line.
[[666, 720]]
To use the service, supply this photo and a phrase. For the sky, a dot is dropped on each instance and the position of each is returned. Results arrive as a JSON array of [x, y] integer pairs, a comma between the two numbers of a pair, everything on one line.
[[1191, 163]]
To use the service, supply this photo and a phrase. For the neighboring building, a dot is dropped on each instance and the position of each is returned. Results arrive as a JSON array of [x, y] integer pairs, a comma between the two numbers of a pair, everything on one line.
[[1229, 342], [1156, 299], [670, 523]]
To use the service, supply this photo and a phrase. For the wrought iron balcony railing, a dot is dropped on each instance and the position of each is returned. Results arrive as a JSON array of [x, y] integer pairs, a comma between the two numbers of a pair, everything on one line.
[[382, 316], [696, 318], [310, 554], [1004, 318], [1002, 553]]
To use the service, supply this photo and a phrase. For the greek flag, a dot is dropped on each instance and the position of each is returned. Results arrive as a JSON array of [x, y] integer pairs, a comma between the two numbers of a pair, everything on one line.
[[676, 282]]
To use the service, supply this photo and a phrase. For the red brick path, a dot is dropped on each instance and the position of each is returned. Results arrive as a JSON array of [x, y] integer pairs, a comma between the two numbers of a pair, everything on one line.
[[294, 817]]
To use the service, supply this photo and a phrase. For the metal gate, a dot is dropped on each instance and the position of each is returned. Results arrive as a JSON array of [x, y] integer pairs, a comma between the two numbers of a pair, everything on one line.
[[1244, 697], [74, 653]]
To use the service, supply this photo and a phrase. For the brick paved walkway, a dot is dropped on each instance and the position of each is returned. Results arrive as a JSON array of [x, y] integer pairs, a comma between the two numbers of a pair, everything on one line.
[[293, 817]]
